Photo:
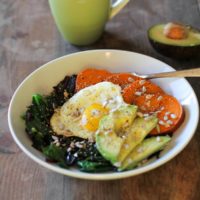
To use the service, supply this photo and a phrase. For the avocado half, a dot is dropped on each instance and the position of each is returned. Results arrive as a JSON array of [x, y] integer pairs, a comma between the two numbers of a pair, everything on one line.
[[185, 48]]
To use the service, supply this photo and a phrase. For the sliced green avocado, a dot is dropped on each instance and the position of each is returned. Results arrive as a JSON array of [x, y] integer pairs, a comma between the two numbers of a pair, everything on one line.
[[135, 135], [123, 117], [187, 47], [107, 139], [144, 150]]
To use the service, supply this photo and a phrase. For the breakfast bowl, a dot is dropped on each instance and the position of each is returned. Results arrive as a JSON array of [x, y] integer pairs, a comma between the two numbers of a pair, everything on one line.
[[42, 80]]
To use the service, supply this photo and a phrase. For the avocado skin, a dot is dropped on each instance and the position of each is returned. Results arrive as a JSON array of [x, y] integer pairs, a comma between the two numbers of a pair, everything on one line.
[[177, 52]]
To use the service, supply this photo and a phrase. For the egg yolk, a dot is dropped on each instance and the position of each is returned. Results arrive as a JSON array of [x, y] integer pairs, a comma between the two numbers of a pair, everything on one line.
[[92, 115]]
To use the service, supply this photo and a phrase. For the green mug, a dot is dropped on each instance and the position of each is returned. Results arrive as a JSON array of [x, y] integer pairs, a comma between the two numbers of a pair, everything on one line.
[[81, 22]]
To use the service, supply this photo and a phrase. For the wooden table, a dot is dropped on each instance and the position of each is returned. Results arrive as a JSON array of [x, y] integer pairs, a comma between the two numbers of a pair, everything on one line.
[[28, 39]]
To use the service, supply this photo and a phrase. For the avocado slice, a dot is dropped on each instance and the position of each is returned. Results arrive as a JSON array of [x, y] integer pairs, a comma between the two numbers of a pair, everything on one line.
[[144, 150], [111, 127], [187, 47], [136, 134], [123, 117]]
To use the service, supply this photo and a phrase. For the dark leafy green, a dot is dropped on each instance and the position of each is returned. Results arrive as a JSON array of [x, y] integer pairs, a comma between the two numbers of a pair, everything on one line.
[[89, 166], [55, 154], [62, 92], [37, 121], [38, 114]]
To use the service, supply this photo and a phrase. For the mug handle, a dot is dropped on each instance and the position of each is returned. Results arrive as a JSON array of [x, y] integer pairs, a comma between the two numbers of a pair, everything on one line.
[[116, 7]]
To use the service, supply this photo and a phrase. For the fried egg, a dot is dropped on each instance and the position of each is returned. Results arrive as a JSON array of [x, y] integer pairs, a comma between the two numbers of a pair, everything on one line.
[[81, 114]]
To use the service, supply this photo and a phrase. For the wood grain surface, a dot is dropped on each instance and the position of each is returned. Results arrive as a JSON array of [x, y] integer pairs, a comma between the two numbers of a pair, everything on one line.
[[28, 39]]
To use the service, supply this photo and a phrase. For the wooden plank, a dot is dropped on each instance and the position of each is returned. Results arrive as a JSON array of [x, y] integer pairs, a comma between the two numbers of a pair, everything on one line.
[[29, 38]]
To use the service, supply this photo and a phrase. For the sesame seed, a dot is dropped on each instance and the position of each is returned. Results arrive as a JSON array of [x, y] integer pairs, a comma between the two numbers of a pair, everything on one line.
[[146, 115], [162, 108], [124, 136], [69, 149], [54, 137], [159, 98], [161, 122], [169, 122], [158, 139], [126, 146], [139, 114], [105, 103], [140, 150], [54, 106], [130, 79], [58, 144], [173, 116], [165, 118], [84, 120], [149, 96], [55, 141], [138, 93], [158, 111], [91, 139], [117, 164], [77, 144], [126, 124], [111, 100], [129, 160], [141, 82], [76, 155], [144, 89], [167, 113], [72, 145], [107, 132], [95, 112], [81, 110]]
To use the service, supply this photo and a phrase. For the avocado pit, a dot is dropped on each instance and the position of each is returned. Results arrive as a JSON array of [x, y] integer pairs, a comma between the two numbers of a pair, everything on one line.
[[175, 31]]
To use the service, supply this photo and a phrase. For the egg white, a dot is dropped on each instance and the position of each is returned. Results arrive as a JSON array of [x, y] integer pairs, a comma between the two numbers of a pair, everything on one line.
[[67, 120]]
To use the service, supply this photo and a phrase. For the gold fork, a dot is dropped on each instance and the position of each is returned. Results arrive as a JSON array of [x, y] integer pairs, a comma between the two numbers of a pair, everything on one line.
[[180, 73]]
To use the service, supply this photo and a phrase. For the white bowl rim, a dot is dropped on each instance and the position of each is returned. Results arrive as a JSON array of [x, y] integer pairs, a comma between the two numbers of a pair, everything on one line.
[[100, 176]]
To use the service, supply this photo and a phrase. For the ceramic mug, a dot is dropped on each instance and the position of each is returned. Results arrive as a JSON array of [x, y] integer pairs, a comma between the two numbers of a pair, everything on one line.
[[81, 22]]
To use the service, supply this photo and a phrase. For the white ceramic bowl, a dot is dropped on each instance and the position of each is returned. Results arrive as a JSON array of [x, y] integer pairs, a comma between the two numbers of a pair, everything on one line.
[[42, 80]]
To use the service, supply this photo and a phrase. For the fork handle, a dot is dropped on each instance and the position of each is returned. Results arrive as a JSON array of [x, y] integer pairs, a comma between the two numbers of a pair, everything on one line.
[[181, 73]]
